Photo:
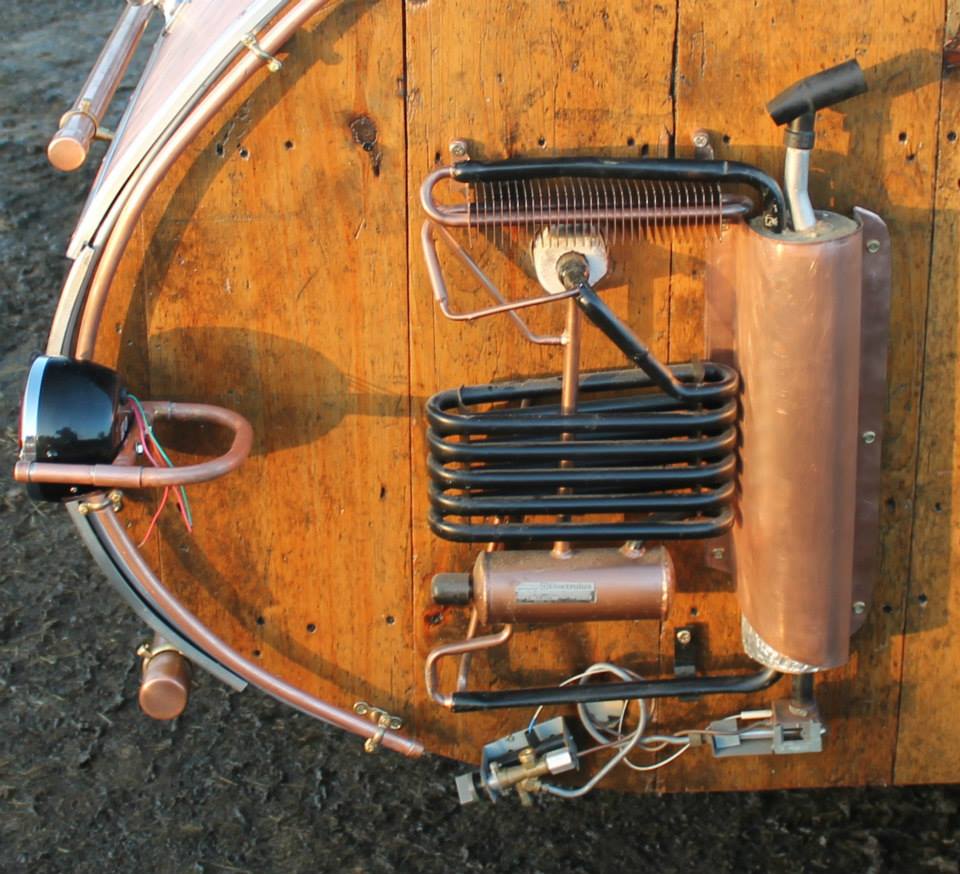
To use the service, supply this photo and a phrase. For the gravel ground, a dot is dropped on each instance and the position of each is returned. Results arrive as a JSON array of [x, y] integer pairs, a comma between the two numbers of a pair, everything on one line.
[[239, 783]]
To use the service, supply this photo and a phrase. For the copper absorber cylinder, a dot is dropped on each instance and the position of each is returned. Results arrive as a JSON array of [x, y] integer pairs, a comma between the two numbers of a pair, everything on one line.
[[587, 585], [164, 681], [792, 305]]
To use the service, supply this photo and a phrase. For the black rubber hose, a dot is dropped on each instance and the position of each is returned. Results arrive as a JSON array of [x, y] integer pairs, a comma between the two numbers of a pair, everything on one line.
[[594, 693]]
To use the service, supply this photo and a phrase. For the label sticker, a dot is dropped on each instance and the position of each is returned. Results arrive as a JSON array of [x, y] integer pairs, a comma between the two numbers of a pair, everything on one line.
[[556, 593]]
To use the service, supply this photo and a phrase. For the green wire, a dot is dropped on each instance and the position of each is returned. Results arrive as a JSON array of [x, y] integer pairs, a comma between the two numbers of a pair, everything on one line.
[[163, 454]]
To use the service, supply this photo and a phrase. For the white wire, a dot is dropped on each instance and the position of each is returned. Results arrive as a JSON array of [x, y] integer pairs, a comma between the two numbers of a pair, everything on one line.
[[624, 745]]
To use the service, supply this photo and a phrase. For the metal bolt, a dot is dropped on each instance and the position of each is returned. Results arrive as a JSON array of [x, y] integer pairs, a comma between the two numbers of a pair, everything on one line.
[[458, 148], [701, 138], [718, 552], [873, 246], [83, 509], [684, 636], [869, 437], [859, 607]]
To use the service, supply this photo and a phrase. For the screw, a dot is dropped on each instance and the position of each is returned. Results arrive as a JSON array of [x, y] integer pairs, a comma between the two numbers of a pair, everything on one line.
[[701, 139], [869, 437], [859, 607], [718, 552], [458, 148], [873, 246], [684, 637]]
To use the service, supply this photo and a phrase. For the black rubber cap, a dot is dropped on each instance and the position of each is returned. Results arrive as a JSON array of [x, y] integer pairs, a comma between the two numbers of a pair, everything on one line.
[[454, 590], [818, 92]]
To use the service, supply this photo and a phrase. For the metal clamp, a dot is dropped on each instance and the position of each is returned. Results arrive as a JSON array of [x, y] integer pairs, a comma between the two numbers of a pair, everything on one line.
[[250, 42], [148, 652], [113, 499], [383, 720]]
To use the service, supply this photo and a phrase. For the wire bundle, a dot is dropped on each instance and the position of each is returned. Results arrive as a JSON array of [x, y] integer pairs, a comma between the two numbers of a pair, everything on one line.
[[152, 449]]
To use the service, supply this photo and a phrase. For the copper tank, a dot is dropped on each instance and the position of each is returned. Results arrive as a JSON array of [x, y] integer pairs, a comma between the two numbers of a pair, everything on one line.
[[787, 309]]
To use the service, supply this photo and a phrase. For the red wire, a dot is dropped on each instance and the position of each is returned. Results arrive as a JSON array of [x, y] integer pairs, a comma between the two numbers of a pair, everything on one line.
[[146, 438], [153, 521]]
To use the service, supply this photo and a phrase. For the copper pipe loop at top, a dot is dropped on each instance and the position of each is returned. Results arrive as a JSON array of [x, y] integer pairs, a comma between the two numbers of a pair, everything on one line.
[[124, 476]]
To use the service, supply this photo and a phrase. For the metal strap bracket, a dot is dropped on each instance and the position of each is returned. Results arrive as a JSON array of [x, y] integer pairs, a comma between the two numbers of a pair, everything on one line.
[[383, 720], [274, 64]]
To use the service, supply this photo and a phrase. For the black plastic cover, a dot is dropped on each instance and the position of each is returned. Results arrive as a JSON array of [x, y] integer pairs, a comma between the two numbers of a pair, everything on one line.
[[818, 92], [70, 415]]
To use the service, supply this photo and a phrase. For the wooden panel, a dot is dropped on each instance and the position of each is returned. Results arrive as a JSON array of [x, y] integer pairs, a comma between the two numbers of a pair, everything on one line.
[[278, 271], [275, 284], [927, 749], [524, 78], [877, 151]]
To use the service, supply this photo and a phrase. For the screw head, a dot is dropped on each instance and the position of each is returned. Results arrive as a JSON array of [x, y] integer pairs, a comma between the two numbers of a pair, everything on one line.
[[873, 246], [701, 139], [684, 636], [718, 552], [458, 148], [859, 608], [869, 437]]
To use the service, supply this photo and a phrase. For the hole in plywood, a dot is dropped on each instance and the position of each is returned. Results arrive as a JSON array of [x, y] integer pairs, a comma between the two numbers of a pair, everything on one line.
[[311, 627], [922, 600], [288, 145]]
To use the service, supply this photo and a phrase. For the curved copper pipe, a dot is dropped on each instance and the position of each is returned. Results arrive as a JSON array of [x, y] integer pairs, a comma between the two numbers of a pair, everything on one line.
[[129, 476], [133, 205], [459, 647], [108, 526]]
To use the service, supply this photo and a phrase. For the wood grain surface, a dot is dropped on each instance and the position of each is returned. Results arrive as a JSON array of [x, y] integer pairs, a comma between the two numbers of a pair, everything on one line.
[[278, 271]]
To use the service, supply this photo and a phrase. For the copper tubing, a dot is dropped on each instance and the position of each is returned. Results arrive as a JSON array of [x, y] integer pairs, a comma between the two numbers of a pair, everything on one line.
[[797, 346], [108, 526], [459, 647], [271, 41], [569, 390], [435, 272], [71, 144], [164, 681], [125, 476]]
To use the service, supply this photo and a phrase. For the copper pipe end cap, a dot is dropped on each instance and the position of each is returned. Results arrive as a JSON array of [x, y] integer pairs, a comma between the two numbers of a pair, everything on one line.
[[66, 154], [165, 687]]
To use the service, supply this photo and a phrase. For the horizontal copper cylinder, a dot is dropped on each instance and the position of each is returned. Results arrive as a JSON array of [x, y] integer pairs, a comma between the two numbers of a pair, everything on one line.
[[587, 585], [792, 307]]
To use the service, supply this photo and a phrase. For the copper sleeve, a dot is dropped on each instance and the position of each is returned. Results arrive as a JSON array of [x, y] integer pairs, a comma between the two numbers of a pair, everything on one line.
[[588, 585], [796, 343]]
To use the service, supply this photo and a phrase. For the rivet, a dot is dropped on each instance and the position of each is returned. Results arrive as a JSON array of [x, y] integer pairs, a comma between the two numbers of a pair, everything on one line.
[[859, 607], [869, 437], [873, 246]]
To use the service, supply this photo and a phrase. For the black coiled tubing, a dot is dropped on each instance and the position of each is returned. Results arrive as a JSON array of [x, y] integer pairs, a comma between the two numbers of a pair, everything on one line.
[[668, 464]]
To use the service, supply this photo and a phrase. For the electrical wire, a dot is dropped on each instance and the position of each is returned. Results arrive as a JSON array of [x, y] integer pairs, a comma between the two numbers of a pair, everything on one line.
[[615, 739], [148, 438]]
